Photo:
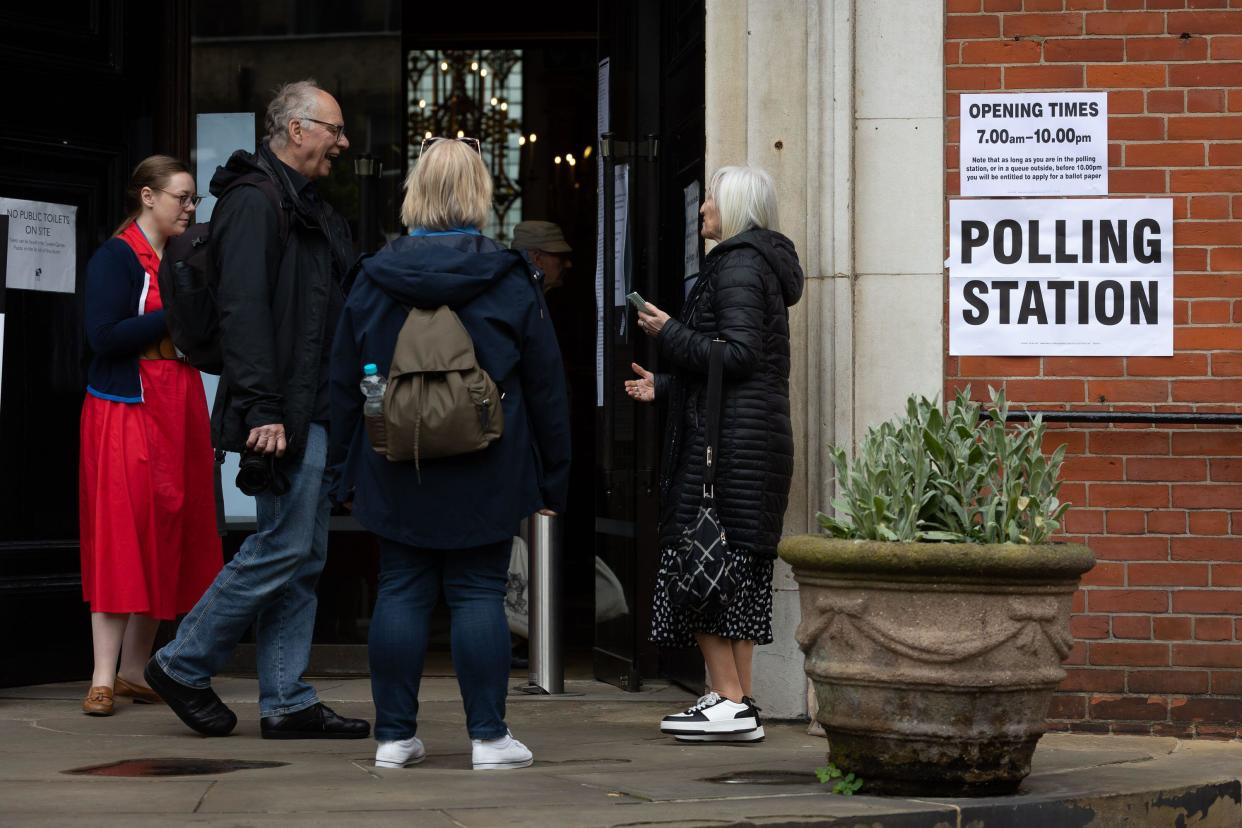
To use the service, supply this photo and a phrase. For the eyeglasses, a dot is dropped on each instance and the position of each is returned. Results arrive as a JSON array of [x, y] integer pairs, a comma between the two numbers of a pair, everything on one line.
[[186, 199], [473, 143], [337, 130]]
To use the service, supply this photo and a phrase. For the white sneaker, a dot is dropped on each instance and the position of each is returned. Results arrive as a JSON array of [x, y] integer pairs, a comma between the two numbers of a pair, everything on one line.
[[713, 715], [505, 753], [400, 754]]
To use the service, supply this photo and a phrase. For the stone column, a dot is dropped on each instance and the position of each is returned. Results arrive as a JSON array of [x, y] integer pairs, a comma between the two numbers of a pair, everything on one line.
[[842, 103]]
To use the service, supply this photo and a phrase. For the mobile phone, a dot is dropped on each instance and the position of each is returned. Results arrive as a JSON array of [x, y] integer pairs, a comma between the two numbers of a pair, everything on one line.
[[637, 301]]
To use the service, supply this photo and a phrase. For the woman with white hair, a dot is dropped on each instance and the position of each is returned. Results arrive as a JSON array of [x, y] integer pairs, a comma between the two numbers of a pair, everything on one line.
[[743, 295], [448, 523]]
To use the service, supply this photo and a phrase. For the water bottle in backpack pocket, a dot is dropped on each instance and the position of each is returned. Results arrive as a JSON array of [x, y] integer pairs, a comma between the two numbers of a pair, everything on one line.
[[373, 385]]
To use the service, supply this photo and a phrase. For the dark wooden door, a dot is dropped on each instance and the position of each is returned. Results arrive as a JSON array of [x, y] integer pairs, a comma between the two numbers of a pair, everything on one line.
[[91, 87], [655, 51]]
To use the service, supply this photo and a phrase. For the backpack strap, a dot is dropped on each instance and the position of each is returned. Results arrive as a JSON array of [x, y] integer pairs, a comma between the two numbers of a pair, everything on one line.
[[264, 184], [274, 194]]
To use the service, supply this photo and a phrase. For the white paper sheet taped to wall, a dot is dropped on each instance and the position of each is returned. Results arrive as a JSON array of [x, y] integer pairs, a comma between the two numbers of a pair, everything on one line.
[[1087, 277], [42, 245], [1034, 143]]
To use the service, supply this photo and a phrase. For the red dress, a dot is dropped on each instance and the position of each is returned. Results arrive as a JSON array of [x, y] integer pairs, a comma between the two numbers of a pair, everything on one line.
[[146, 490]]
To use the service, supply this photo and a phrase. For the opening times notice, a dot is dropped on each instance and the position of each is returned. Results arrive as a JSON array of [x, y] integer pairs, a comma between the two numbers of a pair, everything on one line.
[[1034, 144]]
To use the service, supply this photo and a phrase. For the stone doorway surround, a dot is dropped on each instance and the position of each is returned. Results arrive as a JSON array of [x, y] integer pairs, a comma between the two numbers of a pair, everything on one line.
[[842, 101]]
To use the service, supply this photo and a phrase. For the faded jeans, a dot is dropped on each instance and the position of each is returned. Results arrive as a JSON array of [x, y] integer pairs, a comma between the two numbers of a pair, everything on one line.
[[270, 583]]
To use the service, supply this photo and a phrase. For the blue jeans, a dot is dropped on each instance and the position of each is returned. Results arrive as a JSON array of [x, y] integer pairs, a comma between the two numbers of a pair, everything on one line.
[[474, 588], [270, 583]]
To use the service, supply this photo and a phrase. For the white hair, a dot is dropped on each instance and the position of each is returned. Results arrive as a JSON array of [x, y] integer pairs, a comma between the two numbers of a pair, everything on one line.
[[745, 197], [292, 101]]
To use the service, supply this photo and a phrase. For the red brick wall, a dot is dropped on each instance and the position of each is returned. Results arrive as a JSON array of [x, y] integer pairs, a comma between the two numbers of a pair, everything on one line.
[[1157, 622]]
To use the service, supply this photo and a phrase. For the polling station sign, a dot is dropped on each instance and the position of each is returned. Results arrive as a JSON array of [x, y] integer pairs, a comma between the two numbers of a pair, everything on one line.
[[1065, 277], [1034, 144]]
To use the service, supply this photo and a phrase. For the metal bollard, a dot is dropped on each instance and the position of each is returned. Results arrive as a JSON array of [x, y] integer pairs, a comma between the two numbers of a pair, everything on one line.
[[547, 655]]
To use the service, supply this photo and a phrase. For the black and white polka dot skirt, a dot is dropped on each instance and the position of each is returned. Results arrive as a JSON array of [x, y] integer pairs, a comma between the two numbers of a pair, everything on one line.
[[748, 618]]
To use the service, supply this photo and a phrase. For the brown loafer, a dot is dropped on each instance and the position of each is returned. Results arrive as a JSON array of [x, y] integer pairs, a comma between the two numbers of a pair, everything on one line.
[[98, 701], [140, 694]]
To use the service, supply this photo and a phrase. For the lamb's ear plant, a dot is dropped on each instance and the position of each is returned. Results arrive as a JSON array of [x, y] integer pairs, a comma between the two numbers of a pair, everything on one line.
[[952, 476]]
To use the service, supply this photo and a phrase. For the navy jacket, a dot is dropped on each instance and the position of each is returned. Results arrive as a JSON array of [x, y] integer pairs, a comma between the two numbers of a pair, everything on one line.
[[116, 328], [471, 499]]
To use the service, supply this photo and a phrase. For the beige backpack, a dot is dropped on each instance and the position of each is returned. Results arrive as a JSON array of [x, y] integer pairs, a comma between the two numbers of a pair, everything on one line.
[[438, 401]]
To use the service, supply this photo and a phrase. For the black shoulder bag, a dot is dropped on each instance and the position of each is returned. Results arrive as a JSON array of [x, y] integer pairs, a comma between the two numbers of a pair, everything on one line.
[[704, 577]]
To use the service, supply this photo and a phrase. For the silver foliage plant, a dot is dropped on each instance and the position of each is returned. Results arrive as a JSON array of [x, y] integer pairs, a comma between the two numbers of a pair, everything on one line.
[[952, 476]]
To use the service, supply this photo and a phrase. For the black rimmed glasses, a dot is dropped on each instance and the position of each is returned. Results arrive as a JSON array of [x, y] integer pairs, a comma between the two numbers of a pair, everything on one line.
[[186, 199], [337, 130], [473, 143]]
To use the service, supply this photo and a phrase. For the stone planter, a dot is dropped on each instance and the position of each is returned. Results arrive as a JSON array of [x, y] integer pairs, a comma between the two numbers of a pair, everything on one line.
[[934, 664]]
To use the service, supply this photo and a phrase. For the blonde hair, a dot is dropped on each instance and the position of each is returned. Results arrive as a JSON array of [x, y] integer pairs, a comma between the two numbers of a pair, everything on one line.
[[746, 199], [448, 187]]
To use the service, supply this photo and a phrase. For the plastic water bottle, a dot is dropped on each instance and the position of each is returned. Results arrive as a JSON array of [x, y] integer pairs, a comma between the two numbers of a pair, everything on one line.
[[373, 385]]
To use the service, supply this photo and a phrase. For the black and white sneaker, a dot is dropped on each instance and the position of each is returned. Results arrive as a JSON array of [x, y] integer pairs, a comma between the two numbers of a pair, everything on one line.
[[755, 735], [712, 715]]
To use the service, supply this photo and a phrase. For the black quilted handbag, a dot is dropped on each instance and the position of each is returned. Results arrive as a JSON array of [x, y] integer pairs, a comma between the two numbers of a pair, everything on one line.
[[703, 577]]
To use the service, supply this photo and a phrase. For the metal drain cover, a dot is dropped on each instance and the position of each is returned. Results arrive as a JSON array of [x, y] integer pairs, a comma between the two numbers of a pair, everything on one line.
[[764, 777], [172, 767]]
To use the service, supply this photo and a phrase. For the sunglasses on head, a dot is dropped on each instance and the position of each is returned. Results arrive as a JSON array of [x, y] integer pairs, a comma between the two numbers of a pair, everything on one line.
[[473, 143]]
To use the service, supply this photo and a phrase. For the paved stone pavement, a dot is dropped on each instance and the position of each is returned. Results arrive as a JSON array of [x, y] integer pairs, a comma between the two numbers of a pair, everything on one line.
[[600, 761]]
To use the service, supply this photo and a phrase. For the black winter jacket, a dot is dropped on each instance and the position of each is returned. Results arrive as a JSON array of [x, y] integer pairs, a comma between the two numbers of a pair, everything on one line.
[[742, 296], [274, 300]]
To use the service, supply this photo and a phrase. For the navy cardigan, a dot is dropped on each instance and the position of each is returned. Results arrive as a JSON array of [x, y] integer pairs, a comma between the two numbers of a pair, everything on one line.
[[116, 328]]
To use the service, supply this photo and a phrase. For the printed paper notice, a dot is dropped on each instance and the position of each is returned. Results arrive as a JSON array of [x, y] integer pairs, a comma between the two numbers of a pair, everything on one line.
[[1034, 144], [621, 234], [1063, 277], [691, 240], [42, 245]]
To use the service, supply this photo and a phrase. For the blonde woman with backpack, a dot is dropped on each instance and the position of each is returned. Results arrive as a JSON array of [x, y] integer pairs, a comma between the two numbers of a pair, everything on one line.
[[446, 514]]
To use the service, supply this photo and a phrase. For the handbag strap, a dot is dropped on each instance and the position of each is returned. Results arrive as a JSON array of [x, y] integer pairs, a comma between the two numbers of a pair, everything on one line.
[[715, 392]]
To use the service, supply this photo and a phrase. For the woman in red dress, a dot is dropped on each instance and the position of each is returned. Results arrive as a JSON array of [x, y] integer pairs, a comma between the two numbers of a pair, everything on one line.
[[147, 497]]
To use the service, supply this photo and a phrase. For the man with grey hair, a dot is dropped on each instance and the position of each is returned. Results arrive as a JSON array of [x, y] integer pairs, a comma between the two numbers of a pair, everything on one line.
[[281, 253]]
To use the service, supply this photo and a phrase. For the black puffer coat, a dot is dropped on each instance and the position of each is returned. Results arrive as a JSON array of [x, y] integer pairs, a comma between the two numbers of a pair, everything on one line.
[[742, 296]]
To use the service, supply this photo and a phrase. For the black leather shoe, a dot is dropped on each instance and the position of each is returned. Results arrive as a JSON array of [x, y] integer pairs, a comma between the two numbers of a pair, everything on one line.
[[314, 722], [200, 709]]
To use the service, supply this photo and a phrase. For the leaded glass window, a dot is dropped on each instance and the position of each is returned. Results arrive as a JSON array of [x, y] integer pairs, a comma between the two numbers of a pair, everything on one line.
[[475, 94]]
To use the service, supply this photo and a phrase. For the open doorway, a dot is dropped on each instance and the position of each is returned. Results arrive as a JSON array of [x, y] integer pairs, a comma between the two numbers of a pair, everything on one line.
[[522, 81]]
